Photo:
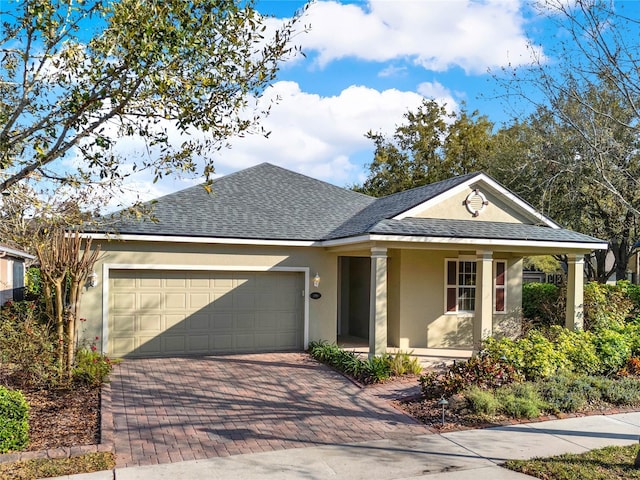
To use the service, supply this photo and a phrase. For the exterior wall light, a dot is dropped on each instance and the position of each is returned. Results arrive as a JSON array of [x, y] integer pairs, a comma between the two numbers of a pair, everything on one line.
[[93, 279], [316, 280]]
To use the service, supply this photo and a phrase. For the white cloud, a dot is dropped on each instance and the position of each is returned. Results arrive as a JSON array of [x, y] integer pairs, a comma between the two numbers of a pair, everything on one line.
[[320, 136], [435, 34]]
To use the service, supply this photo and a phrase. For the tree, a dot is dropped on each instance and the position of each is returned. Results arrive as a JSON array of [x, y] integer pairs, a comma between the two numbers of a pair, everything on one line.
[[432, 145], [153, 69], [44, 227]]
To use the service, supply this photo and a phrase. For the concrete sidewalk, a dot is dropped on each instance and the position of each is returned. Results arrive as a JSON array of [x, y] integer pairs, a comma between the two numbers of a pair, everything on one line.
[[469, 454]]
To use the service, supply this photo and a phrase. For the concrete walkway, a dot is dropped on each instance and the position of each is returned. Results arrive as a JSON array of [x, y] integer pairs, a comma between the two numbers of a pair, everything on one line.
[[470, 454]]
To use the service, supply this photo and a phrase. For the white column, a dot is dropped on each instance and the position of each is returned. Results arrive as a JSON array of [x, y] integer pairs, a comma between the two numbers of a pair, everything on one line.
[[575, 292], [483, 321], [378, 302]]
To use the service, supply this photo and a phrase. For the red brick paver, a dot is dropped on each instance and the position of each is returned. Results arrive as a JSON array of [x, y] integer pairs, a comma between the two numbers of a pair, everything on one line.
[[174, 409]]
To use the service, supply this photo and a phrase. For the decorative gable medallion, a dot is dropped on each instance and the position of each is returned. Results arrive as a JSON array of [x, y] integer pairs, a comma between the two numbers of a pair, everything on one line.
[[476, 202]]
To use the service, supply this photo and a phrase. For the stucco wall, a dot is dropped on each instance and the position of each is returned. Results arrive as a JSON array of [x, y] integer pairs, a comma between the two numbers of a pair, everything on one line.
[[322, 312], [496, 211], [423, 323]]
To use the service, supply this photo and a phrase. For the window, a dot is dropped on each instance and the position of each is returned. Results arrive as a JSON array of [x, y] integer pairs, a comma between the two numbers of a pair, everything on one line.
[[500, 286], [461, 286]]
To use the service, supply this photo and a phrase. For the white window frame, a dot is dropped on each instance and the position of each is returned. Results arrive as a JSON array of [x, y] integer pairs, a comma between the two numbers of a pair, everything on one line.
[[447, 286], [503, 287]]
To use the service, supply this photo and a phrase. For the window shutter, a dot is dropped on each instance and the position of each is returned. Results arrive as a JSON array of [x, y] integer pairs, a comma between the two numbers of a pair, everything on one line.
[[452, 288], [500, 286]]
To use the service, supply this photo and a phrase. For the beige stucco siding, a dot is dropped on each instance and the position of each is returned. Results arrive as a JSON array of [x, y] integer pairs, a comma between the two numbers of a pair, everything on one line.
[[422, 321], [322, 312], [496, 211]]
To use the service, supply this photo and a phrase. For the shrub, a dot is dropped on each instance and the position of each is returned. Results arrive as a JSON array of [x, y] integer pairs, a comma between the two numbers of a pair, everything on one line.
[[482, 370], [542, 303], [613, 349], [632, 368], [372, 370], [625, 391], [402, 363], [481, 401], [14, 424], [534, 355], [560, 396], [579, 349], [376, 369], [27, 347], [520, 400], [606, 306], [91, 367]]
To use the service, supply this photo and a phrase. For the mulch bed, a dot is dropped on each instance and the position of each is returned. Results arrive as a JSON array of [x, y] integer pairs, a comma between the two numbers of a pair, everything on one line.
[[63, 418]]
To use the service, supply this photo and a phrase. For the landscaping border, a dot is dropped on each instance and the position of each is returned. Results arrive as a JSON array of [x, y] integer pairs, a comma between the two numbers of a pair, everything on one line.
[[106, 438]]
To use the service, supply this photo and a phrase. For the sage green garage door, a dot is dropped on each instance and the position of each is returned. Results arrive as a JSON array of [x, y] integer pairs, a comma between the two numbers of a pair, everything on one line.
[[162, 313]]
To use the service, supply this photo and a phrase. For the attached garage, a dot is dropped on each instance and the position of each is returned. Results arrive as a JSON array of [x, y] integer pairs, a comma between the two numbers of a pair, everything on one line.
[[182, 312]]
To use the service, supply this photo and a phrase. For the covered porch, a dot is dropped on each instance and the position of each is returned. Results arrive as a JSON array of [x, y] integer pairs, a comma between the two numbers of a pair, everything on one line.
[[440, 300]]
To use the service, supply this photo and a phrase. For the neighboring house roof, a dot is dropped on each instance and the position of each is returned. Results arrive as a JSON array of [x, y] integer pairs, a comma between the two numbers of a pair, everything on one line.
[[267, 202], [13, 252]]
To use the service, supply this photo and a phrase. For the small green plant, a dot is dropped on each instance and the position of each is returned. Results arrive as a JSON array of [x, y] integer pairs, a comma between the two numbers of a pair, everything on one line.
[[482, 402], [625, 391], [373, 370], [520, 400], [14, 420], [376, 369]]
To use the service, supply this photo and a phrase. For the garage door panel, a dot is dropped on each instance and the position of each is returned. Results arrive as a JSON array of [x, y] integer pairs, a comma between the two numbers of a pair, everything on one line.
[[150, 283], [175, 300], [123, 301], [198, 322], [156, 313], [150, 323], [148, 301], [146, 345], [222, 321]]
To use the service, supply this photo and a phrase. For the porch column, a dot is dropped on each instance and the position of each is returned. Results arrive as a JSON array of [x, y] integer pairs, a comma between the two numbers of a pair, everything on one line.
[[378, 305], [483, 321], [575, 290]]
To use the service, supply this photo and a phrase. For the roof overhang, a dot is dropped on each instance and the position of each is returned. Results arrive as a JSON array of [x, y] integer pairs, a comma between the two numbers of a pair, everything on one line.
[[201, 240], [398, 240], [469, 243], [14, 253]]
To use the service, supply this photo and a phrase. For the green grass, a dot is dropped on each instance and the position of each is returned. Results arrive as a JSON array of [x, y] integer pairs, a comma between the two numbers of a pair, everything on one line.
[[47, 467], [608, 463]]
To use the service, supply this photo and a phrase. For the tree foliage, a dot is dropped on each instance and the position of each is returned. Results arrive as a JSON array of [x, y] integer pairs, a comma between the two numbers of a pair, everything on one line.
[[75, 76], [430, 146]]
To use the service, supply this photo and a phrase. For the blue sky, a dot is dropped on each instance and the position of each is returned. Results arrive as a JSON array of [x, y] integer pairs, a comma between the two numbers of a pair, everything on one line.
[[366, 64]]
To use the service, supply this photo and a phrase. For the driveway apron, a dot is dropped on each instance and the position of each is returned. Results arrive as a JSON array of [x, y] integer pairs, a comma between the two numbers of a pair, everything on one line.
[[174, 409]]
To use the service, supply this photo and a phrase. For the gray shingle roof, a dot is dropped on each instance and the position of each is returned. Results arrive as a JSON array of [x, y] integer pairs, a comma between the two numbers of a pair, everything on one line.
[[271, 203], [392, 205], [436, 227], [261, 202]]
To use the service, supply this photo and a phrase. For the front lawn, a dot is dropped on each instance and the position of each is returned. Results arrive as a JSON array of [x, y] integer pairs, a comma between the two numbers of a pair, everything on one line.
[[609, 463]]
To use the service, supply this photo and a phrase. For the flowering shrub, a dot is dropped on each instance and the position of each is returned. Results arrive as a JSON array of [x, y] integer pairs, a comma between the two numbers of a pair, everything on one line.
[[92, 367]]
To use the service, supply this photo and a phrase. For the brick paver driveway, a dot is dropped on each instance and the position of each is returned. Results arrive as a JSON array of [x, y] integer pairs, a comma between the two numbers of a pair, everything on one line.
[[175, 409]]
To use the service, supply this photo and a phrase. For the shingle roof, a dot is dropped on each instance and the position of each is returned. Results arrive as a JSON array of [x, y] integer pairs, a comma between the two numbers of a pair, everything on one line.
[[395, 204], [271, 203], [436, 227], [261, 202]]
